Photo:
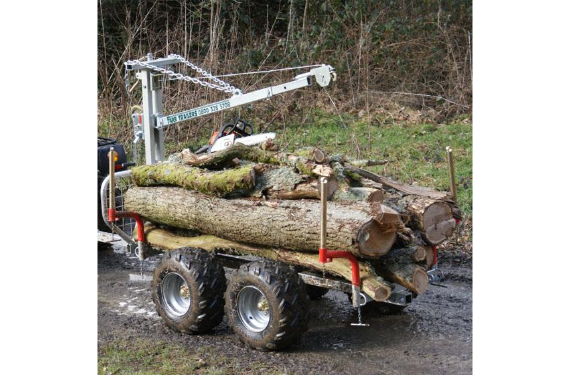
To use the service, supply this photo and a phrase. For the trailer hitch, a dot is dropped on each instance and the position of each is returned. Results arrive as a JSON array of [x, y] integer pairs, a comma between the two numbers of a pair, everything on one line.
[[327, 256]]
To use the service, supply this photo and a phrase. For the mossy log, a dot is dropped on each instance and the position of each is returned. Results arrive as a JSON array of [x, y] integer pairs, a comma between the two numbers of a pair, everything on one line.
[[312, 153], [305, 159], [372, 284], [404, 271], [219, 183], [365, 229]]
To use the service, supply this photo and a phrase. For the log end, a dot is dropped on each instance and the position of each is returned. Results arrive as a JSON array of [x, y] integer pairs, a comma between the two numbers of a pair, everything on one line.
[[381, 294], [420, 253], [420, 280], [437, 233], [376, 196], [373, 240]]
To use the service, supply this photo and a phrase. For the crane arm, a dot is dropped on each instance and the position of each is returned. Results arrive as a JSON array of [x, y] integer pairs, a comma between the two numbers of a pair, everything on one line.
[[322, 75]]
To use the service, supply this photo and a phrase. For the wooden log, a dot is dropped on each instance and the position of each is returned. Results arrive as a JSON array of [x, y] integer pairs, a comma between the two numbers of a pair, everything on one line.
[[367, 163], [372, 284], [220, 183], [303, 190], [416, 254], [429, 258], [225, 158], [366, 230], [285, 183], [360, 194], [403, 271], [404, 188], [263, 154], [431, 217], [312, 153]]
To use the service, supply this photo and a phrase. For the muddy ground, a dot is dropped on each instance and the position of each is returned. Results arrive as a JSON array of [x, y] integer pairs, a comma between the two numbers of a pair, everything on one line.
[[432, 336]]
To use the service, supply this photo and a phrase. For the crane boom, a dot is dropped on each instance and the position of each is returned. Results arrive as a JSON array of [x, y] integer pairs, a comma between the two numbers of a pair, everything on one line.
[[154, 122]]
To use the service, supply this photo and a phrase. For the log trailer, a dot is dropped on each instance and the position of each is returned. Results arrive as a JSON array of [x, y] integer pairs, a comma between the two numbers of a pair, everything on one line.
[[266, 300]]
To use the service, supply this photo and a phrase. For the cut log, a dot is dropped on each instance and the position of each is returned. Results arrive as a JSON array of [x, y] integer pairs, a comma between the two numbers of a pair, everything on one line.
[[429, 258], [303, 190], [365, 229], [367, 163], [360, 194], [407, 189], [220, 183], [225, 158], [372, 284], [403, 271], [433, 218], [312, 153], [416, 254]]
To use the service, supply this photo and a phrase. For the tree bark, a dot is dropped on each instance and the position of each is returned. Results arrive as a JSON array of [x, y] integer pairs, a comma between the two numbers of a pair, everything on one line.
[[226, 158], [220, 183], [366, 230], [303, 190], [403, 271], [372, 284]]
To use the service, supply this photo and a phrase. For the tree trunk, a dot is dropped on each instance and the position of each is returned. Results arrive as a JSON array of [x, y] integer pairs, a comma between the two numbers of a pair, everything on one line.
[[366, 230], [372, 284], [222, 183]]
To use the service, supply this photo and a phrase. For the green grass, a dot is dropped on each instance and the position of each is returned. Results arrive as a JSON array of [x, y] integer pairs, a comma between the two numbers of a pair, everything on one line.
[[146, 357]]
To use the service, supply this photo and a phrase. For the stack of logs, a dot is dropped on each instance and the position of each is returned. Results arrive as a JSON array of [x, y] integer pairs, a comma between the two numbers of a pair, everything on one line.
[[255, 200]]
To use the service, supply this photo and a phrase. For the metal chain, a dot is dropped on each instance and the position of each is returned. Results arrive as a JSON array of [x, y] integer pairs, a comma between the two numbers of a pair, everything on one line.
[[222, 86]]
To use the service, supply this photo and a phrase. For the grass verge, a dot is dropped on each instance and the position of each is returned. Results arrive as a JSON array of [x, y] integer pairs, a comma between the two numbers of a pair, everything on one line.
[[145, 357]]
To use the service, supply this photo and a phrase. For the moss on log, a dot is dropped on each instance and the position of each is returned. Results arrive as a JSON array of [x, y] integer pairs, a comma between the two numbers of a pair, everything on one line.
[[366, 230], [372, 284], [220, 183]]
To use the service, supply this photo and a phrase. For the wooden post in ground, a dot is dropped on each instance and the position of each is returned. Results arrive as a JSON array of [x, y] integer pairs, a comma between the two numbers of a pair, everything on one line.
[[453, 187]]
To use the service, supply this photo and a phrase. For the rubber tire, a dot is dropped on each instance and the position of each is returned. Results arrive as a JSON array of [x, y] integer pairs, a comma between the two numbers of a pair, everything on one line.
[[287, 299], [315, 293], [206, 281]]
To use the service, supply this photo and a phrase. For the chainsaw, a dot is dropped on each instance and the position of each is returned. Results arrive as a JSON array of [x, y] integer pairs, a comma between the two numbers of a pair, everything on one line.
[[231, 134]]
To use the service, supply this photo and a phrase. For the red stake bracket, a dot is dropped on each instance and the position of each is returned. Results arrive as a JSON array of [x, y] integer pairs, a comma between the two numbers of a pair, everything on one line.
[[116, 215], [326, 256]]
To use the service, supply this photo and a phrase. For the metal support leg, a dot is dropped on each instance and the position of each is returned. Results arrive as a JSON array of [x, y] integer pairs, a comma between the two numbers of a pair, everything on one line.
[[152, 104]]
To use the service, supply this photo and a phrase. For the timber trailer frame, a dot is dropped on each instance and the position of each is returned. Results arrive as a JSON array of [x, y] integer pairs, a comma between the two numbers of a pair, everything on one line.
[[266, 302]]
